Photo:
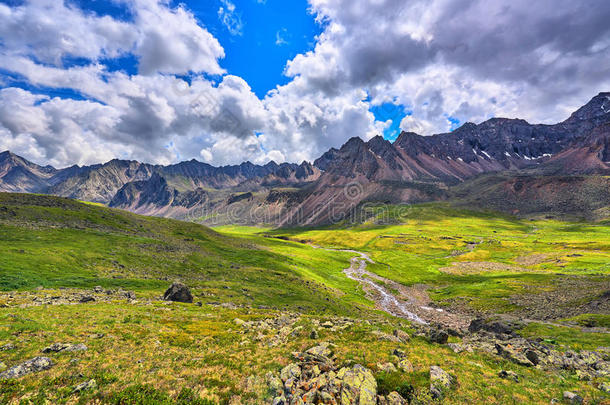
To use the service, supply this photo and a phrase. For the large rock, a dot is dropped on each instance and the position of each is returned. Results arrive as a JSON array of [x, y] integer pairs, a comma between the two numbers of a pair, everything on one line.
[[31, 366], [178, 292], [438, 336], [358, 386], [440, 381]]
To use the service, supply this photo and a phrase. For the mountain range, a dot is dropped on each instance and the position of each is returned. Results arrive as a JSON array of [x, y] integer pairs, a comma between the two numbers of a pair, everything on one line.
[[501, 164]]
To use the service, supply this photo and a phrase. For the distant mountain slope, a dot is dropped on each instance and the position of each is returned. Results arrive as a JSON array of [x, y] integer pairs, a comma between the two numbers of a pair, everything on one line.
[[412, 169]]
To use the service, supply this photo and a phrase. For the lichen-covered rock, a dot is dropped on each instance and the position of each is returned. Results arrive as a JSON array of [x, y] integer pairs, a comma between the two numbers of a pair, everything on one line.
[[276, 386], [358, 386], [386, 367], [322, 350], [7, 347], [404, 365], [31, 366], [290, 371], [65, 347], [401, 335], [386, 337], [87, 385], [513, 355], [394, 398], [440, 381]]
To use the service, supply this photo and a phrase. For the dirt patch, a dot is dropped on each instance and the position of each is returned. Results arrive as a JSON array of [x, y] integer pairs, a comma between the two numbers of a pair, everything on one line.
[[534, 259], [568, 297], [465, 268]]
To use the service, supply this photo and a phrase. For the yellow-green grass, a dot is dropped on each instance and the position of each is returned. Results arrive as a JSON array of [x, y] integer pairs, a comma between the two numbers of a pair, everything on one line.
[[427, 238], [54, 242], [173, 347]]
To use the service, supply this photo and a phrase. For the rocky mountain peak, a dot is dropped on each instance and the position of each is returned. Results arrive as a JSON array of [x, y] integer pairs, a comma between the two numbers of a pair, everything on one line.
[[599, 106]]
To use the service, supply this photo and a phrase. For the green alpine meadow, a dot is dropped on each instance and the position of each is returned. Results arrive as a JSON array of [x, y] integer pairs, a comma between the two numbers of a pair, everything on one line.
[[83, 286]]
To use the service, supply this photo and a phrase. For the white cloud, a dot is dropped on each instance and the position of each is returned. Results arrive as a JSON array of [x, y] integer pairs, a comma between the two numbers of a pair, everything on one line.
[[230, 18], [443, 59], [280, 37]]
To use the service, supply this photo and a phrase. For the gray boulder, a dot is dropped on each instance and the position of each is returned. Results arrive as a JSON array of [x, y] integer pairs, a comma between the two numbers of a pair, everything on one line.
[[178, 292], [31, 366], [572, 398]]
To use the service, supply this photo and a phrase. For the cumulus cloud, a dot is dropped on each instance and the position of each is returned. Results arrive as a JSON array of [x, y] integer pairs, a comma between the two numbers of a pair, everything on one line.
[[444, 60], [465, 59]]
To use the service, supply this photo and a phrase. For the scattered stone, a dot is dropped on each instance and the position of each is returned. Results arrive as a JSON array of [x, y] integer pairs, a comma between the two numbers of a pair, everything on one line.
[[384, 336], [86, 298], [405, 366], [65, 347], [87, 385], [493, 326], [401, 335], [98, 289], [314, 334], [509, 375], [572, 398], [438, 336], [386, 367], [605, 387], [440, 381], [399, 353], [178, 292], [96, 335], [238, 322], [512, 354], [327, 324], [7, 347], [31, 366], [393, 398]]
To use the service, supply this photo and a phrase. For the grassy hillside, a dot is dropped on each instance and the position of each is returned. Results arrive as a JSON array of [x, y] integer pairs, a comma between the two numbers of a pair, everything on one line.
[[147, 351], [54, 242]]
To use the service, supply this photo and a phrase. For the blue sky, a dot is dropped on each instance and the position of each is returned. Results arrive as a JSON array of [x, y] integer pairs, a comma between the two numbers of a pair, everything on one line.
[[225, 81]]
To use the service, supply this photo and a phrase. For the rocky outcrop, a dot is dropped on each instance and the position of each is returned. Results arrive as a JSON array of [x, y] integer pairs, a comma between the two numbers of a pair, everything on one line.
[[315, 378]]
